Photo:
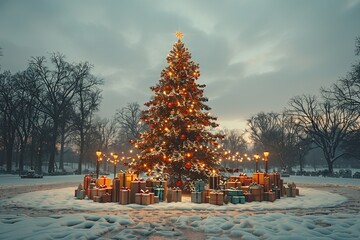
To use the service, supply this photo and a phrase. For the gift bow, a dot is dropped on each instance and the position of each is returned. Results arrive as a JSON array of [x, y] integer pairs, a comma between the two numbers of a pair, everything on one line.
[[142, 191], [124, 188], [102, 186], [139, 179]]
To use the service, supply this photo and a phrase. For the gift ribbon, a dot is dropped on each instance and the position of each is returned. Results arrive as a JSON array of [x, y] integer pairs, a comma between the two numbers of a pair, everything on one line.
[[217, 198]]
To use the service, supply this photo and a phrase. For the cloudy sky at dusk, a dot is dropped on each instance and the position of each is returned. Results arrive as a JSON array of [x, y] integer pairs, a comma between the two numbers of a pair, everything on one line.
[[253, 55]]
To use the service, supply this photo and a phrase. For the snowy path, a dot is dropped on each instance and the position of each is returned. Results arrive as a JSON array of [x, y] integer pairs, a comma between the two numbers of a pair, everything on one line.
[[322, 211]]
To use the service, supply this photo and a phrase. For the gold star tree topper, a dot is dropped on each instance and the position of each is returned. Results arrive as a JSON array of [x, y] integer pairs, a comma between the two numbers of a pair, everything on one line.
[[179, 35]]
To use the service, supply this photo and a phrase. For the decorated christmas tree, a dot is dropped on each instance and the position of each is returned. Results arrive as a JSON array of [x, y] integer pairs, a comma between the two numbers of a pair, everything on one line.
[[180, 140]]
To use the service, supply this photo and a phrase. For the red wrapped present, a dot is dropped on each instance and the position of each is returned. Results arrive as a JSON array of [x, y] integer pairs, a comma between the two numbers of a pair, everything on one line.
[[144, 198], [156, 199], [247, 181], [106, 198], [87, 181]]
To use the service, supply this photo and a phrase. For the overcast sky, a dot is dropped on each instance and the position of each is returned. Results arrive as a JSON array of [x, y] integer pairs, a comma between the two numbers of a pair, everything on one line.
[[253, 55]]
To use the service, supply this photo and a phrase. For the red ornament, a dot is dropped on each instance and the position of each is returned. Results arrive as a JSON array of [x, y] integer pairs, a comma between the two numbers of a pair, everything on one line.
[[198, 138], [151, 126], [182, 137], [170, 105], [188, 165], [179, 183]]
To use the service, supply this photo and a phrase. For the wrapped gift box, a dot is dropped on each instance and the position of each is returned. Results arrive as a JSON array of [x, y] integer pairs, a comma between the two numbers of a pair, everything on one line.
[[89, 190], [76, 192], [214, 181], [93, 192], [97, 198], [161, 184], [207, 199], [281, 187], [198, 197], [81, 194], [144, 198], [236, 184], [235, 178], [245, 189], [199, 186], [216, 198], [104, 181], [269, 196], [156, 199], [126, 178], [234, 192], [136, 187], [267, 184], [259, 178], [297, 192], [159, 192], [124, 196], [116, 190], [101, 191], [277, 192], [247, 181], [176, 195], [242, 199], [248, 197], [87, 181], [106, 198], [234, 199], [258, 192], [274, 179]]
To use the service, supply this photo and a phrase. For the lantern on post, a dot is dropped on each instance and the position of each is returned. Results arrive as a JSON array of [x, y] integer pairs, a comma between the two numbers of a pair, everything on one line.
[[266, 155], [115, 155], [98, 154], [257, 157]]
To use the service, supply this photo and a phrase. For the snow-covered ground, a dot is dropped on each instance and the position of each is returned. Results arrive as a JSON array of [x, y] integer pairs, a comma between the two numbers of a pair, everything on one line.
[[312, 215]]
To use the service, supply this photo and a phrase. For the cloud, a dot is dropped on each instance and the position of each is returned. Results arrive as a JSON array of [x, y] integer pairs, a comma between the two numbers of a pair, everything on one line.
[[253, 55]]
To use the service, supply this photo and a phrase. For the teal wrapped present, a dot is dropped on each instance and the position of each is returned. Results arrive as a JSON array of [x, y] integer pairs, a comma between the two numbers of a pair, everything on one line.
[[242, 199], [199, 186], [235, 199], [229, 198], [234, 192], [160, 193], [198, 197]]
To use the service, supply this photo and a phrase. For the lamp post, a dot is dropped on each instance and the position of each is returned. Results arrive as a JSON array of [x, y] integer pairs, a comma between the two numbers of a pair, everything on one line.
[[266, 155], [115, 155], [257, 157], [98, 154]]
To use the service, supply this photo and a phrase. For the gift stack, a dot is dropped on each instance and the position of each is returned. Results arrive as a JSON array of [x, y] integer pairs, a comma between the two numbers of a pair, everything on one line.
[[291, 190], [136, 186], [199, 194], [174, 195], [235, 196], [126, 178]]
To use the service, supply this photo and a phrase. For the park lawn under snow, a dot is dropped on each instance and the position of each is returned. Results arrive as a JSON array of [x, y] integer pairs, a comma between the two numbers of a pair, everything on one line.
[[217, 225]]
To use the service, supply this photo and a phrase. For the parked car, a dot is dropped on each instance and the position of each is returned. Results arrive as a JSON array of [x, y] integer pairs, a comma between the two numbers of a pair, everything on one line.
[[31, 174]]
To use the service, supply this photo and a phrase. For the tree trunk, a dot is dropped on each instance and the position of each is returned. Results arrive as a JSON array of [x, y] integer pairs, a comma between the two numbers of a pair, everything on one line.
[[82, 146], [330, 166], [62, 145], [51, 167], [9, 156], [21, 157]]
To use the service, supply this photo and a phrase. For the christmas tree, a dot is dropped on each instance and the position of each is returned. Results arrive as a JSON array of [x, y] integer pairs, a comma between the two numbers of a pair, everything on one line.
[[179, 140]]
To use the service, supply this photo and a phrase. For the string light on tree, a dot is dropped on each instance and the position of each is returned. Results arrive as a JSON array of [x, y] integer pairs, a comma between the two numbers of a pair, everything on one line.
[[180, 135]]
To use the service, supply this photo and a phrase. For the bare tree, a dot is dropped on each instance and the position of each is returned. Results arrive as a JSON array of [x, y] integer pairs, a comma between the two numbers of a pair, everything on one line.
[[86, 102], [326, 123], [129, 119], [8, 106], [56, 89], [279, 134]]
